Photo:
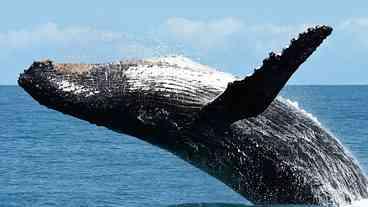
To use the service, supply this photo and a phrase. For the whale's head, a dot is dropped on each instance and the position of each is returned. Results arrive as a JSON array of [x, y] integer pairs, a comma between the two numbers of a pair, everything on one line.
[[99, 94], [139, 98]]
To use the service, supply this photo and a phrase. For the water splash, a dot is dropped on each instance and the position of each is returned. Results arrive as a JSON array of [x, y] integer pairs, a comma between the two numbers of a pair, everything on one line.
[[360, 203], [296, 106]]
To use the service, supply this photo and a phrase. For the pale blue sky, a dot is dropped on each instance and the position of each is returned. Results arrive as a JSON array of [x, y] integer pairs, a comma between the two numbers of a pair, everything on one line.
[[233, 36]]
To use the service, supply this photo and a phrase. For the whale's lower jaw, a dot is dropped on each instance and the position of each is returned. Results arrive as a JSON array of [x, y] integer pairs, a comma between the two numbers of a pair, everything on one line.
[[267, 150]]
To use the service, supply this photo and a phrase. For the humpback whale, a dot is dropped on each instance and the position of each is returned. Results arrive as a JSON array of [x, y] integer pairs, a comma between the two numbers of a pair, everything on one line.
[[235, 129]]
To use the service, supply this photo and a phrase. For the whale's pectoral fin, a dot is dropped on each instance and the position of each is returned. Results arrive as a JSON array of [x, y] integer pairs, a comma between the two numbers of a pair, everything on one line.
[[252, 95]]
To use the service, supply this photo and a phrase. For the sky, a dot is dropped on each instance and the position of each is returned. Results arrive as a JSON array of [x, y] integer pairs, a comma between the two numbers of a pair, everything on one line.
[[231, 36]]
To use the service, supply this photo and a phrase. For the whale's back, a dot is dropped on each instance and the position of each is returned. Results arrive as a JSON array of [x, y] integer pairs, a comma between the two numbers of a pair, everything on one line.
[[175, 78]]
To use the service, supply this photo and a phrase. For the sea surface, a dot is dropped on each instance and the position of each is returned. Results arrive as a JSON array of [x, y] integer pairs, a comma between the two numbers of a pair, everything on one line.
[[50, 159]]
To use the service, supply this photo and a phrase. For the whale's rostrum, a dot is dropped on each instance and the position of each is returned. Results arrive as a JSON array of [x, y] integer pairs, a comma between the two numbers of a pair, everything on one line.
[[236, 130]]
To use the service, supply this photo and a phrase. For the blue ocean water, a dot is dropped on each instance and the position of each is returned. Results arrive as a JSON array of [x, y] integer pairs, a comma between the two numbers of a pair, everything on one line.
[[49, 159]]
